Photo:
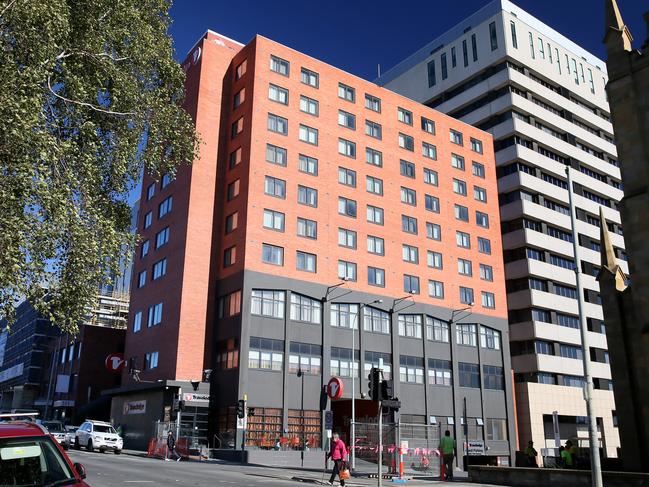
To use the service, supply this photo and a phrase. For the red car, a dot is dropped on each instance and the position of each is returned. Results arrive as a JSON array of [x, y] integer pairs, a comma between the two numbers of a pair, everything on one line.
[[30, 456]]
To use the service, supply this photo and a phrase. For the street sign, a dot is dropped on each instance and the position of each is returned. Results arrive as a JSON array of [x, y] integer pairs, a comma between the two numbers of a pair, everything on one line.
[[115, 362], [194, 397], [391, 404], [329, 420], [475, 448], [335, 388]]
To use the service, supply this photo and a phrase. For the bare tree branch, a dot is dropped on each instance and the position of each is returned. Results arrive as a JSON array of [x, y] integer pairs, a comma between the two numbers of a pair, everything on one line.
[[63, 55], [89, 105]]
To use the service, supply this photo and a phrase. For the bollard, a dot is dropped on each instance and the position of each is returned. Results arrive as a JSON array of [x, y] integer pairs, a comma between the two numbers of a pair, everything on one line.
[[442, 475], [400, 463]]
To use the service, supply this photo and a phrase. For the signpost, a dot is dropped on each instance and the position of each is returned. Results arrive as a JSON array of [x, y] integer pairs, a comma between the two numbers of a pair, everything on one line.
[[335, 388]]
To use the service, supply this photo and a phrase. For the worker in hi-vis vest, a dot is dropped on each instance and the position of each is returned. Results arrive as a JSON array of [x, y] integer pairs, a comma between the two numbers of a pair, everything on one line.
[[447, 447]]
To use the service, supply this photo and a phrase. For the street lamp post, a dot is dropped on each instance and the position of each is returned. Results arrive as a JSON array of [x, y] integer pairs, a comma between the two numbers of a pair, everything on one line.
[[300, 374]]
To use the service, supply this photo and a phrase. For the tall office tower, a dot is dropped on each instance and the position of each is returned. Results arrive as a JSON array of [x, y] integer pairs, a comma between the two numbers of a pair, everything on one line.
[[543, 99], [324, 204]]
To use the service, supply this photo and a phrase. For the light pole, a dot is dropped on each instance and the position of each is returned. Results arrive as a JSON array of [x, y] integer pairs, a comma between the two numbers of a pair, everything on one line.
[[300, 374]]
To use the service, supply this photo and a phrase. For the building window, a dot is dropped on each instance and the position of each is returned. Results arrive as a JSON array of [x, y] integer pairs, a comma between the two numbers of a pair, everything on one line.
[[150, 360], [271, 254], [469, 375], [347, 270], [144, 249], [346, 207], [465, 53], [167, 179], [457, 138], [410, 254], [159, 269], [466, 295], [427, 125], [476, 145], [404, 116], [308, 164], [407, 169], [541, 49], [307, 228], [307, 196], [466, 335], [437, 330], [278, 94], [486, 272], [137, 322], [235, 160], [155, 315], [436, 289], [489, 338], [408, 196], [453, 57], [309, 77], [374, 157], [569, 351], [230, 304], [347, 148], [376, 276], [265, 353], [150, 191], [496, 429], [410, 284], [480, 194], [375, 215], [461, 213], [493, 36], [309, 105], [344, 315], [459, 187], [267, 303], [463, 240], [378, 360], [434, 259], [482, 219], [373, 129], [275, 187], [374, 185], [432, 76], [376, 320], [308, 135], [162, 237], [411, 369], [433, 231], [274, 220], [532, 52], [512, 26], [241, 70], [277, 124], [429, 150], [440, 372], [347, 177], [279, 65], [347, 119], [346, 92], [431, 177], [237, 127], [488, 300], [347, 238], [305, 262], [484, 246], [444, 64], [406, 142], [372, 103], [344, 363], [474, 47], [275, 155], [305, 309], [375, 245], [229, 256], [493, 377], [457, 162], [464, 267], [304, 357], [478, 170], [141, 279], [409, 224], [165, 206]]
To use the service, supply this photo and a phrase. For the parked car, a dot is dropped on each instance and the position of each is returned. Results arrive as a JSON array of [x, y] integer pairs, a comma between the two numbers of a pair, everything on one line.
[[69, 434], [29, 456], [57, 430], [98, 434]]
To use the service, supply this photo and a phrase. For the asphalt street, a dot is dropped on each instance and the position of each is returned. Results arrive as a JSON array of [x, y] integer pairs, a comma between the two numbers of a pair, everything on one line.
[[110, 470]]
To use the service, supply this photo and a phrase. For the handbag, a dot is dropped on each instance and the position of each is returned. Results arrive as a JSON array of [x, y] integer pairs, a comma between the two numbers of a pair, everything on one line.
[[344, 474]]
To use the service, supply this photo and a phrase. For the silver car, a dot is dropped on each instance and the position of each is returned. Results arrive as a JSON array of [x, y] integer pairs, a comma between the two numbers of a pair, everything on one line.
[[100, 435], [57, 430]]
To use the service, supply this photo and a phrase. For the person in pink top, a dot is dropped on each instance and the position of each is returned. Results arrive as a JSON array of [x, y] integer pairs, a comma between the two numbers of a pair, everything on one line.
[[338, 453]]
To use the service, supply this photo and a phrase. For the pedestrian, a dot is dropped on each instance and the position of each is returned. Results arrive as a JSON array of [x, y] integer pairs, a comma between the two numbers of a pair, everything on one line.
[[566, 456], [447, 447], [531, 454], [338, 453], [574, 453], [171, 447]]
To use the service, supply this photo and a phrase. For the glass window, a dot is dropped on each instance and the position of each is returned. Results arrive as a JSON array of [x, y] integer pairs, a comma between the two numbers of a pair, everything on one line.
[[155, 315], [429, 150], [267, 303], [486, 272], [307, 196], [488, 300], [376, 320], [168, 178], [493, 36], [344, 363], [378, 360], [237, 127], [137, 322], [347, 177], [278, 94], [456, 137], [162, 237], [434, 259], [469, 375], [375, 245], [410, 326], [347, 148], [433, 231], [493, 377], [461, 213], [307, 228], [159, 269], [408, 196], [457, 161], [265, 353], [474, 47], [346, 207], [277, 124], [484, 245], [346, 92], [476, 145], [465, 53], [144, 249], [464, 267], [347, 270], [512, 26], [373, 157], [489, 338], [463, 240], [271, 254], [482, 219], [305, 309], [304, 357], [374, 185], [496, 429], [409, 224], [274, 220], [411, 369], [432, 75], [308, 164], [275, 155], [478, 169], [229, 256], [275, 187], [466, 334], [141, 278], [466, 295], [165, 206], [407, 169], [309, 77], [150, 191], [404, 116], [444, 64], [344, 315], [231, 222], [480, 194], [428, 125], [431, 177], [376, 276], [372, 103], [309, 105], [347, 238], [235, 160], [436, 289], [406, 142], [459, 187], [241, 69], [280, 65], [373, 129], [440, 372], [437, 330], [375, 214], [150, 360], [347, 119], [410, 254], [308, 135], [410, 284]]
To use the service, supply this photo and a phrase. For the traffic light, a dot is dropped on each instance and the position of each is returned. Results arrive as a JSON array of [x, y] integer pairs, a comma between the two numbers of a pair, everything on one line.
[[386, 390], [241, 409], [181, 405], [374, 384]]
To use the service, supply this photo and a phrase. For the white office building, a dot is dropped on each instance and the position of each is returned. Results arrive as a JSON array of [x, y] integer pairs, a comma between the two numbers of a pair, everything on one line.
[[543, 98]]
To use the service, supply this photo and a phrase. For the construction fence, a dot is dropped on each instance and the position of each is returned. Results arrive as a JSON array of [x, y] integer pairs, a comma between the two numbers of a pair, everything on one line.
[[188, 440]]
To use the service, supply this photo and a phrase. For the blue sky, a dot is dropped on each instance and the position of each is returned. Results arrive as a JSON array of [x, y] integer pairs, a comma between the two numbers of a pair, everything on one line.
[[357, 35]]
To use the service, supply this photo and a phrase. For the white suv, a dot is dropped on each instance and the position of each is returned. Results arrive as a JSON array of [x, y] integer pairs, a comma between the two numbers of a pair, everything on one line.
[[98, 434]]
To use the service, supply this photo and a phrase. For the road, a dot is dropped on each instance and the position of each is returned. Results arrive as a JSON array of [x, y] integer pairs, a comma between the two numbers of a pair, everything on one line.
[[109, 470]]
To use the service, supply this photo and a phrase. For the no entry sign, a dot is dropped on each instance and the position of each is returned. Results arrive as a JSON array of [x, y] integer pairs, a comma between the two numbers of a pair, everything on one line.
[[335, 388]]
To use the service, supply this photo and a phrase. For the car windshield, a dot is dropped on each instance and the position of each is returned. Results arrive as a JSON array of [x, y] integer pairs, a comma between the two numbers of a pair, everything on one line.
[[103, 428], [33, 461], [53, 427]]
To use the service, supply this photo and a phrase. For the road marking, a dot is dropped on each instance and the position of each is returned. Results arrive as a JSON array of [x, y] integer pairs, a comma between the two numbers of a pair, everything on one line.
[[138, 481]]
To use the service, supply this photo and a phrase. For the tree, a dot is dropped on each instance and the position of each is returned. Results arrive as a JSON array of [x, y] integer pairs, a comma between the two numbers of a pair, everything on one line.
[[90, 98]]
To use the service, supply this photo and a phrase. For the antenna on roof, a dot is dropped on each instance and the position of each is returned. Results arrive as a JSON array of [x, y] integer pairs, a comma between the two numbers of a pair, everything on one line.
[[378, 69]]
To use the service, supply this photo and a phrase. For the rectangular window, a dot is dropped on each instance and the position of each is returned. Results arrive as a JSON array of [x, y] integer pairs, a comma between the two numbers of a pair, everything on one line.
[[372, 103], [411, 369], [476, 145], [155, 315], [278, 94], [376, 320], [241, 70], [541, 49], [347, 148], [453, 57], [532, 51], [478, 170], [309, 105], [274, 220], [474, 47], [437, 330], [375, 245], [482, 219], [277, 124], [141, 278], [408, 196], [347, 177], [410, 254], [271, 254], [347, 270], [275, 187], [373, 129], [374, 185], [427, 125], [376, 276], [407, 169], [150, 191], [410, 326], [484, 245], [343, 362], [433, 231], [229, 256], [265, 353], [305, 262], [496, 429], [434, 259], [440, 372], [165, 206], [493, 377], [237, 127], [308, 164], [431, 177], [459, 187], [488, 300], [267, 303], [379, 360], [307, 228], [480, 194], [162, 237], [489, 338], [493, 36], [137, 322], [512, 26], [469, 375], [464, 267], [429, 150], [375, 215], [406, 142], [306, 358], [373, 157], [344, 315], [486, 272], [150, 360], [307, 196], [466, 334], [590, 80], [457, 161], [466, 295], [457, 138], [409, 224], [404, 116], [144, 249], [444, 66], [465, 53], [309, 77], [167, 178], [431, 203], [410, 284], [461, 213], [347, 119], [347, 238], [279, 65], [346, 207], [463, 240], [276, 155], [235, 160], [308, 135], [436, 289], [346, 92]]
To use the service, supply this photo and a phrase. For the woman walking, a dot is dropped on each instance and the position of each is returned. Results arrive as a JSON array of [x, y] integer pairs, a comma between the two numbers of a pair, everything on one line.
[[338, 453]]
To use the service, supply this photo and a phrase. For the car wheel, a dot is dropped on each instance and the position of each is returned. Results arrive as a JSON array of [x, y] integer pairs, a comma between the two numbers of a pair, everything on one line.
[[102, 450], [65, 446], [89, 446], [77, 446], [117, 452]]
